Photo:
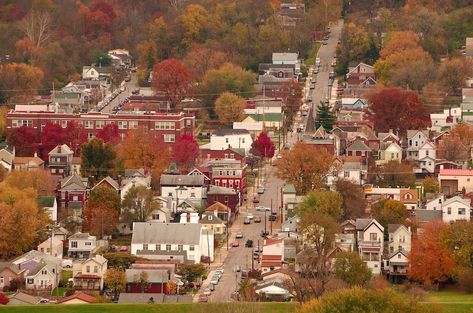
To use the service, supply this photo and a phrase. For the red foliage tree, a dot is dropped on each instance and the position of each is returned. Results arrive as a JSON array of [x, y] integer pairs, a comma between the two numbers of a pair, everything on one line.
[[51, 136], [109, 134], [3, 299], [431, 263], [263, 146], [397, 109], [185, 151], [171, 78], [75, 137], [24, 139]]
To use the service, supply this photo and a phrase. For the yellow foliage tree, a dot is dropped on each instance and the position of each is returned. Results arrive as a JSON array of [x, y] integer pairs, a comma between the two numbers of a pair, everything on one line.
[[230, 107], [39, 180]]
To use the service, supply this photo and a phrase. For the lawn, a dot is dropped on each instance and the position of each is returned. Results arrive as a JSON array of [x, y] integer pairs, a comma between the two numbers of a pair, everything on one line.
[[451, 301], [310, 61], [157, 308]]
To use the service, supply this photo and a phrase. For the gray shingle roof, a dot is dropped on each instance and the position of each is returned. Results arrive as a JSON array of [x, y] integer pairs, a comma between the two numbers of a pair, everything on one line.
[[361, 223], [393, 227], [358, 145], [428, 215], [166, 233], [217, 190], [182, 180], [154, 275]]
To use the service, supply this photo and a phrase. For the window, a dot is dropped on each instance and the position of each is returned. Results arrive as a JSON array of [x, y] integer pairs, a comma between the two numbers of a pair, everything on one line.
[[145, 246], [165, 125], [158, 247], [230, 184], [88, 243], [99, 124], [242, 140], [19, 123], [74, 244], [191, 248], [399, 256], [30, 281], [427, 152], [346, 174], [168, 247], [75, 198], [155, 217], [169, 137], [226, 140], [224, 183], [449, 211], [217, 182], [225, 199], [122, 124], [88, 124], [87, 269], [179, 248], [461, 211], [192, 194], [232, 155], [133, 124], [226, 156], [90, 136], [373, 237], [44, 272], [96, 269]]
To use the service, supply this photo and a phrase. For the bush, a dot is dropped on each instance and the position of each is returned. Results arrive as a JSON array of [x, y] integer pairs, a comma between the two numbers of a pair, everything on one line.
[[379, 283], [3, 299], [16, 284]]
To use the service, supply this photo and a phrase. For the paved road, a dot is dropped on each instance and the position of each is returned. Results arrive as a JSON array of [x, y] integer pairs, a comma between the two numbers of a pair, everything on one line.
[[129, 87], [326, 54]]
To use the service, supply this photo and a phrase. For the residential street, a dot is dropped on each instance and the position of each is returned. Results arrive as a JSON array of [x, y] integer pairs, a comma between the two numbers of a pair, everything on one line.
[[130, 86]]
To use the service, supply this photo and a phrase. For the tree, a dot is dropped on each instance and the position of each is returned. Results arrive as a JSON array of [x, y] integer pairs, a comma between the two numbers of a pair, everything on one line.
[[191, 272], [350, 268], [143, 281], [185, 152], [430, 262], [120, 260], [75, 137], [263, 146], [115, 280], [394, 174], [39, 180], [291, 94], [453, 74], [452, 149], [97, 159], [227, 78], [193, 22], [325, 116], [199, 59], [323, 202], [353, 199], [172, 287], [19, 214], [102, 211], [389, 212], [171, 78], [51, 136], [304, 166], [19, 80], [24, 139], [109, 134], [3, 122], [400, 110], [230, 107], [430, 185], [138, 204], [458, 239], [364, 300], [3, 173]]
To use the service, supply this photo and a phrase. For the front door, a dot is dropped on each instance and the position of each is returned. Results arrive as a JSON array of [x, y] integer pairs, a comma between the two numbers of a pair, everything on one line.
[[2, 282]]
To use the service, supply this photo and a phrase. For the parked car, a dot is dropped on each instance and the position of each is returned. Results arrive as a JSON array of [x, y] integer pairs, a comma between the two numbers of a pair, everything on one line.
[[312, 86], [257, 219], [203, 298], [264, 233], [207, 291], [220, 269], [262, 208], [255, 199], [211, 287], [235, 244], [260, 190], [250, 216], [237, 268], [272, 218], [214, 280], [239, 235], [246, 221], [249, 243]]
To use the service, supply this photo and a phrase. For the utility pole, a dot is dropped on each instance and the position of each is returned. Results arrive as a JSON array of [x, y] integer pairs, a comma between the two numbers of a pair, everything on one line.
[[271, 216], [252, 259], [265, 221]]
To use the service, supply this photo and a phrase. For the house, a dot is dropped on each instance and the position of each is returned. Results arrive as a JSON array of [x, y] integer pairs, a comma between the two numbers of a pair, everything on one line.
[[128, 183], [89, 274], [180, 242], [54, 248], [43, 276], [228, 173], [76, 162], [353, 103], [229, 153], [273, 255], [361, 75], [161, 214], [287, 58], [290, 225], [189, 217], [446, 119], [388, 137], [444, 164], [220, 210], [427, 155], [8, 272], [435, 203], [21, 298], [48, 204], [183, 187], [454, 180], [396, 266], [467, 105], [27, 163], [426, 216], [349, 168], [456, 209], [202, 171], [7, 155], [273, 290], [323, 140], [269, 120], [389, 152], [60, 160], [72, 194], [159, 274], [346, 242], [415, 140], [78, 297], [358, 148], [108, 182], [81, 245], [370, 242], [214, 223], [400, 238], [229, 196], [90, 72], [409, 198], [348, 227], [224, 138]]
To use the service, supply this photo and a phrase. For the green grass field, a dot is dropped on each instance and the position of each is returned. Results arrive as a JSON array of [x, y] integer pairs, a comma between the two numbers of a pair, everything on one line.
[[155, 308], [451, 301]]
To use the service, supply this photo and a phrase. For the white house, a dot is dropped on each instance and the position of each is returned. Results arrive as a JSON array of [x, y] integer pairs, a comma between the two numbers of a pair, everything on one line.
[[81, 245], [44, 276], [273, 255], [447, 118], [396, 265], [53, 248], [389, 152], [287, 58], [134, 182], [426, 158], [400, 237], [180, 188], [90, 72], [370, 240], [455, 209], [89, 274], [180, 242], [415, 140], [224, 138], [7, 155], [49, 204], [435, 203]]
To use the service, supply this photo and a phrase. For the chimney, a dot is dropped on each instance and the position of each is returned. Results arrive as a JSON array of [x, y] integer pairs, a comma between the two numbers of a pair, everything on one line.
[[59, 149], [391, 131], [35, 154], [188, 217]]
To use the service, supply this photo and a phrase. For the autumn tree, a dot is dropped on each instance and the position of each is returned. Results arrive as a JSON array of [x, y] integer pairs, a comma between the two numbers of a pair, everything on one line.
[[291, 94], [350, 268], [452, 149], [3, 122], [230, 107], [138, 204], [185, 152], [191, 272], [325, 116], [458, 239], [324, 202], [430, 185], [453, 74], [193, 22], [52, 135], [430, 262], [109, 134], [355, 45], [353, 199], [19, 213], [40, 180], [19, 80], [97, 159], [115, 280], [304, 166], [171, 78], [3, 299], [400, 110], [24, 139], [75, 137], [389, 212], [263, 146], [199, 59], [102, 211]]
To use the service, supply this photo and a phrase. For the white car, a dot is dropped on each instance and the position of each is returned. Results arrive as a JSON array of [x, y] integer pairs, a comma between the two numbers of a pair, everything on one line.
[[238, 235], [262, 208], [250, 216]]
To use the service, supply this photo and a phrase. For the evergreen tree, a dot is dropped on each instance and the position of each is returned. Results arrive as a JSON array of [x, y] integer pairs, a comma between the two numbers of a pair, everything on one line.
[[325, 116]]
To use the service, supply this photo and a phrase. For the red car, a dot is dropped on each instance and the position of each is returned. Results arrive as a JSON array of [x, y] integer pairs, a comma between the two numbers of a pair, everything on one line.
[[236, 243], [257, 219], [255, 199]]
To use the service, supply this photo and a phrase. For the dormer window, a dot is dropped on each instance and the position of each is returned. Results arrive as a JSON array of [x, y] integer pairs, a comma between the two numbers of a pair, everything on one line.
[[408, 196]]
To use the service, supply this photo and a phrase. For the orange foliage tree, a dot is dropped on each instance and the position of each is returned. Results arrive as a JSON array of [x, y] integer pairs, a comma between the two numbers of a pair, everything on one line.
[[102, 211], [431, 263]]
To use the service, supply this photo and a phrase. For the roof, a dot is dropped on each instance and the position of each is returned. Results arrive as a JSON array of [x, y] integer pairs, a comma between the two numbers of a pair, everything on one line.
[[217, 190], [224, 131], [12, 267], [394, 253], [456, 172], [218, 206], [140, 172], [80, 235], [466, 202], [269, 242], [61, 149], [46, 201], [412, 132], [37, 268], [393, 227], [78, 295], [427, 215], [358, 145], [289, 188], [361, 223], [168, 233], [154, 275], [24, 160], [112, 182], [208, 218], [73, 182], [181, 180], [285, 56], [24, 297]]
